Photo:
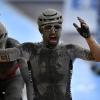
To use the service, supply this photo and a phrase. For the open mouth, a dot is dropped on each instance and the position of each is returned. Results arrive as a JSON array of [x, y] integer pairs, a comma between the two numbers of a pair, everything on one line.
[[52, 39]]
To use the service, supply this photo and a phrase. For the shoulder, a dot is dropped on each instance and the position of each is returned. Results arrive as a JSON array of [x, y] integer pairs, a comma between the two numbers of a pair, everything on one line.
[[67, 46], [30, 45], [70, 46], [73, 46], [12, 42]]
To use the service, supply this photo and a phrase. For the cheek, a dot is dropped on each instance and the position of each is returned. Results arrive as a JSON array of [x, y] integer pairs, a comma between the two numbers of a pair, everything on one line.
[[45, 36], [58, 33]]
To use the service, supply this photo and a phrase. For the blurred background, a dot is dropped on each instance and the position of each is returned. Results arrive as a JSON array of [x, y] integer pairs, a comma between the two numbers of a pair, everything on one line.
[[20, 19]]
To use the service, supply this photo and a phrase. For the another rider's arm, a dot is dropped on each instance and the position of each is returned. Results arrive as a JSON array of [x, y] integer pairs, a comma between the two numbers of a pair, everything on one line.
[[25, 50], [27, 78], [23, 66]]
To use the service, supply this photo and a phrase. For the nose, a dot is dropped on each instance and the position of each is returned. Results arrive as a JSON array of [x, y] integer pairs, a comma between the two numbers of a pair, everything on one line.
[[53, 29]]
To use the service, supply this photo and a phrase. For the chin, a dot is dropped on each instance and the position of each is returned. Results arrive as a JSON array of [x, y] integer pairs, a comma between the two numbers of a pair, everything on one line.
[[52, 45]]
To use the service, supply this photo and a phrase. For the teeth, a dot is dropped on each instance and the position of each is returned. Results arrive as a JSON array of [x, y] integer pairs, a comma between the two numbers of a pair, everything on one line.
[[52, 36]]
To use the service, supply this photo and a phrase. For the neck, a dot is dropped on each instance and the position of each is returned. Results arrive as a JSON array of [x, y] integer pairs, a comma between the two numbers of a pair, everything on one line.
[[2, 45], [49, 46]]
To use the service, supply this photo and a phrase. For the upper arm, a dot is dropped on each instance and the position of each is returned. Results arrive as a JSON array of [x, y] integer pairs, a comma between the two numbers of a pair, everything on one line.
[[76, 51], [24, 69]]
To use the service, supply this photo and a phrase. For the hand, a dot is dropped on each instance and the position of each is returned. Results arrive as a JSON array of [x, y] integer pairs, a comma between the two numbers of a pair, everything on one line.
[[84, 29]]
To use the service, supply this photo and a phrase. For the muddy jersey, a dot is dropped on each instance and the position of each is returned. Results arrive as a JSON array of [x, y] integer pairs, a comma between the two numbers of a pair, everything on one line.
[[51, 69]]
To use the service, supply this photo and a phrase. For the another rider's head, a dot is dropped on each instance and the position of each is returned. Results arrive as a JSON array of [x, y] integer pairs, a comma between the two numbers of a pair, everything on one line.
[[3, 34], [50, 26]]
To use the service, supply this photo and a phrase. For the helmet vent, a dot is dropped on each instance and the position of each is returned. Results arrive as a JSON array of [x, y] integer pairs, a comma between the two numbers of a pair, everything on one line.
[[50, 15]]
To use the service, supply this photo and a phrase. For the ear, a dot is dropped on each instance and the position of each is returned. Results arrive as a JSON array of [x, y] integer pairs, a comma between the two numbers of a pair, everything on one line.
[[41, 31], [5, 35]]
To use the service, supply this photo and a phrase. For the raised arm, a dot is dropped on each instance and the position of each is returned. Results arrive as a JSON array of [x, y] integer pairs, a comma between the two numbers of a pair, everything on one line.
[[84, 31], [94, 47]]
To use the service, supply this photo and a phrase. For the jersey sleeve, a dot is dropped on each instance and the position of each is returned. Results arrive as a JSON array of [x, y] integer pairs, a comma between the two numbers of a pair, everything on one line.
[[76, 51]]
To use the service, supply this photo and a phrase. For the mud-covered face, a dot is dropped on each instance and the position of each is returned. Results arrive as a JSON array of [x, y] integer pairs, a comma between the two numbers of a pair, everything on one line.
[[51, 34], [2, 35]]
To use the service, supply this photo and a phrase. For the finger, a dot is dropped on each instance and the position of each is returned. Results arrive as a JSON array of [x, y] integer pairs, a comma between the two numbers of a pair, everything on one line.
[[75, 25], [81, 20]]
